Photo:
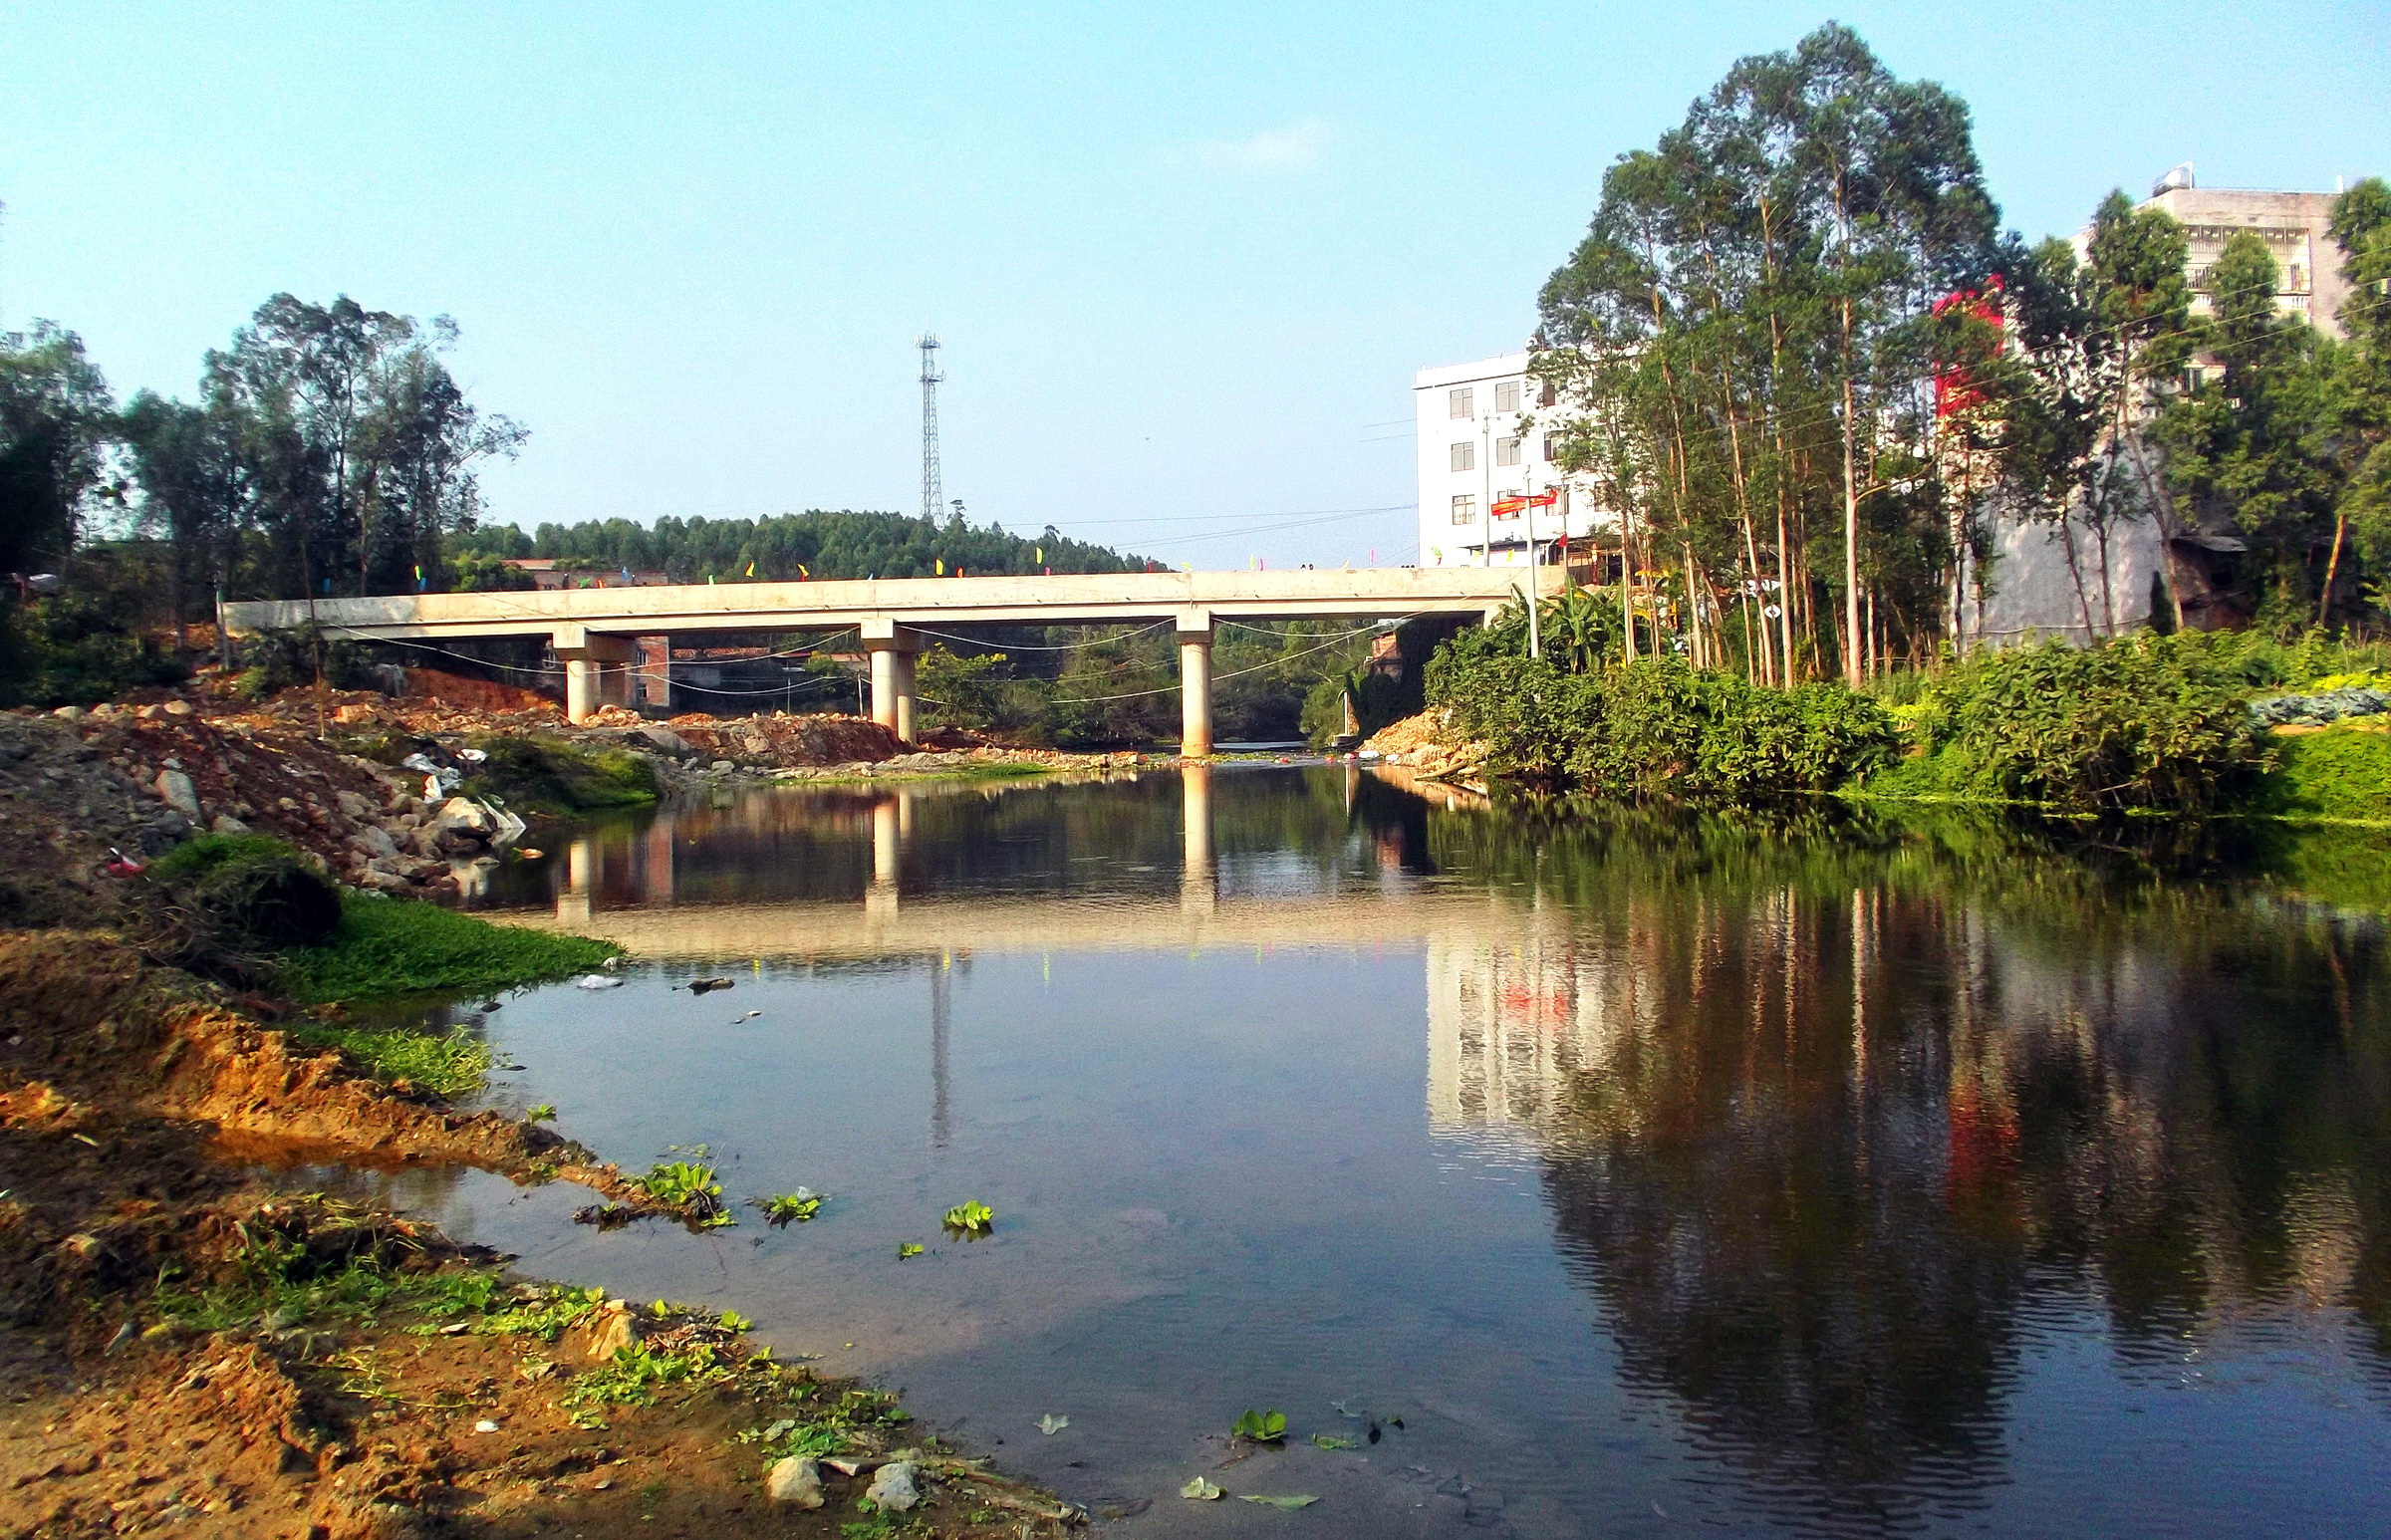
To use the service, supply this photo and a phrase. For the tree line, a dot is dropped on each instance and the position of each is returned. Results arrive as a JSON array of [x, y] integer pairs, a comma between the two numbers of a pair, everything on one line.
[[814, 543], [1803, 362]]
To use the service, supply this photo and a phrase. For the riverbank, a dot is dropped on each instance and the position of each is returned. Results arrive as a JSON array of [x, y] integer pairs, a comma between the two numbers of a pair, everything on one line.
[[187, 1339]]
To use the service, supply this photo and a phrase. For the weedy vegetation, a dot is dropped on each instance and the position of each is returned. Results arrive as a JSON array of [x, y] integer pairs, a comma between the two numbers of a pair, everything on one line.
[[787, 1208]]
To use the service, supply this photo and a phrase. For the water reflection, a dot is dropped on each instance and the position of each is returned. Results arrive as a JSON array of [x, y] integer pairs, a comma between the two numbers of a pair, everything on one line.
[[1890, 1166], [1835, 1135]]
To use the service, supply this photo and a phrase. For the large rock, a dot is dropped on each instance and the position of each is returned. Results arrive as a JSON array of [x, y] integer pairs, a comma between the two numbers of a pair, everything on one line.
[[664, 738], [376, 841], [176, 791], [893, 1486], [795, 1481]]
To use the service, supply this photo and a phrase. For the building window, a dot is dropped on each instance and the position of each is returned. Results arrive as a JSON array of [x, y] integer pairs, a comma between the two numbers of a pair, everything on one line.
[[1552, 448], [1506, 452], [1462, 402], [1545, 394], [1465, 509], [1506, 396], [1464, 455]]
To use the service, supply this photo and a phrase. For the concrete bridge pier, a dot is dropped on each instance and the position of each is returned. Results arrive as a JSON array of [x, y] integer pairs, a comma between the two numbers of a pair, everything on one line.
[[893, 648], [1195, 684], [597, 668]]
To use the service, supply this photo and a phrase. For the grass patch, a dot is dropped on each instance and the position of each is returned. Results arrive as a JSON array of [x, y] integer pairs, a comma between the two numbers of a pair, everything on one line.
[[392, 946], [2341, 775], [449, 1064], [543, 778]]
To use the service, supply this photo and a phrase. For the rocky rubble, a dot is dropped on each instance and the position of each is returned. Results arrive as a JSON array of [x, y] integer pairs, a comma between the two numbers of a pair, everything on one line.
[[1426, 746]]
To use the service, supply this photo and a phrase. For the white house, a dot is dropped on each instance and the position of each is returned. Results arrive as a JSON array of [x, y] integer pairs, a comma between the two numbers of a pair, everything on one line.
[[1485, 438]]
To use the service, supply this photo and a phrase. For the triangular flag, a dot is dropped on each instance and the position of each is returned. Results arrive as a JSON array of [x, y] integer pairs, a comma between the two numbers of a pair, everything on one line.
[[940, 564], [1042, 556], [751, 569]]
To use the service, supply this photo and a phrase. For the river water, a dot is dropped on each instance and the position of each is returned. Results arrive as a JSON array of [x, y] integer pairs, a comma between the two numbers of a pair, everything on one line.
[[1660, 1175]]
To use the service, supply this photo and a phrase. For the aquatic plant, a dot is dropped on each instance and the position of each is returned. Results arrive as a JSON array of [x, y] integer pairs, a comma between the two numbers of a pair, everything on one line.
[[687, 1188], [907, 1249], [972, 1219], [1260, 1426], [787, 1208]]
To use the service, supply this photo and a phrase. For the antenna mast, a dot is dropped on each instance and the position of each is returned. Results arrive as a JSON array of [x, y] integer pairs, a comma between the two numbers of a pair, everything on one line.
[[933, 491]]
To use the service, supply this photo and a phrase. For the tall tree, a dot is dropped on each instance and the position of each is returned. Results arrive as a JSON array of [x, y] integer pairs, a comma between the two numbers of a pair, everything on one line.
[[56, 419]]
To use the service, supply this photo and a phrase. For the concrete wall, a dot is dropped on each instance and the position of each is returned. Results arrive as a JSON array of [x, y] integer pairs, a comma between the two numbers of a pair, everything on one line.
[[1444, 543], [2034, 593]]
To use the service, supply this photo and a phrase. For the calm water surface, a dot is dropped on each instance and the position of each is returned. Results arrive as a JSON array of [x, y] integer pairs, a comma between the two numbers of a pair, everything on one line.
[[1661, 1177]]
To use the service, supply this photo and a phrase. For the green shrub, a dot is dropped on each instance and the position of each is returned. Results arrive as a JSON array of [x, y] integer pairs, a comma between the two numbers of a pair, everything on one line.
[[233, 897], [543, 777], [2143, 722], [1658, 727], [449, 1064]]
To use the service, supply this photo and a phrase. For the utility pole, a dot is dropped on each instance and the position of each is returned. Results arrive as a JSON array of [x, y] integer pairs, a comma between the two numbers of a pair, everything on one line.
[[934, 493]]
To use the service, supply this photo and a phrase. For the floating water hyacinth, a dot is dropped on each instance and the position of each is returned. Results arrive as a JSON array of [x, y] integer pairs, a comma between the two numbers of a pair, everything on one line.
[[1050, 1424]]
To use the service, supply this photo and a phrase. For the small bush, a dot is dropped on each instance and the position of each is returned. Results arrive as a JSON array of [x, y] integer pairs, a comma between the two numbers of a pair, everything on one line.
[[447, 1063], [230, 897]]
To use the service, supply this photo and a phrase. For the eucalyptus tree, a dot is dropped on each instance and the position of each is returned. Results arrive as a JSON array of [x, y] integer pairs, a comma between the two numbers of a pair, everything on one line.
[[56, 421], [1745, 331]]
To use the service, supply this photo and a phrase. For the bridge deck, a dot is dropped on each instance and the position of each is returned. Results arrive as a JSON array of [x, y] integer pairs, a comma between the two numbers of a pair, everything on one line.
[[591, 629], [1074, 599]]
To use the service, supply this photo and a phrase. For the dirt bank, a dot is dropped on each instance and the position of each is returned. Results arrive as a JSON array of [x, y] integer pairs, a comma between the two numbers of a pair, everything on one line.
[[184, 1345]]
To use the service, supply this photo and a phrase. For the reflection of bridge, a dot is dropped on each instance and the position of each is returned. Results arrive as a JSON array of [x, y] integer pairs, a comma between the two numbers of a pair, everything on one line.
[[597, 631], [884, 923]]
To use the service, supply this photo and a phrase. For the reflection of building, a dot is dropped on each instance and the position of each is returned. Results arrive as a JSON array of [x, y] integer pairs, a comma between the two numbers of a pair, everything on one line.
[[1486, 438], [1506, 1026]]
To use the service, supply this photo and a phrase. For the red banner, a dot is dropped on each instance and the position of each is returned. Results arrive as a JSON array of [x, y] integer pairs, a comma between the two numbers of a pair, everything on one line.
[[1506, 507]]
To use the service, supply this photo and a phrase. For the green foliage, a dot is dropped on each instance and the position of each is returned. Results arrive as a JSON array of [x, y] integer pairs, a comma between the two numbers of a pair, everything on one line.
[[548, 1313], [480, 572], [827, 543], [393, 947], [309, 1260], [638, 1372], [231, 897], [448, 1064], [688, 1187], [908, 1251], [2148, 721], [542, 777], [1657, 727], [786, 1208], [974, 1218], [87, 644], [825, 1427], [1259, 1427], [2339, 775]]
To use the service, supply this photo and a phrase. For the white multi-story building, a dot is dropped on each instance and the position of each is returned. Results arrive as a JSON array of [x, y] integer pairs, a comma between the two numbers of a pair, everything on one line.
[[1486, 437]]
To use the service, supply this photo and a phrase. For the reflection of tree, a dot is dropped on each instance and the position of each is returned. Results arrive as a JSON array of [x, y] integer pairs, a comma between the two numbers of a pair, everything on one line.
[[1824, 1109]]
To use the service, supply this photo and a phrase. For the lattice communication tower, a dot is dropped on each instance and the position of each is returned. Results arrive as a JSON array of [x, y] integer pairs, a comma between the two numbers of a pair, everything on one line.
[[933, 491]]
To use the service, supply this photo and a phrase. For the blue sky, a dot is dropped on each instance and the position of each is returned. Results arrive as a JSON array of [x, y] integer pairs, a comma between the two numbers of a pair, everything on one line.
[[1185, 263]]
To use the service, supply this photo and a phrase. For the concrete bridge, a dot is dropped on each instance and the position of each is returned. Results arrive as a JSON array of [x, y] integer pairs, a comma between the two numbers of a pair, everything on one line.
[[596, 631]]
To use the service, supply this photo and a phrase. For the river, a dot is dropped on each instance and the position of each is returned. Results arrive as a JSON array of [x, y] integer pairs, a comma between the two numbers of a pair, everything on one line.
[[1662, 1175]]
